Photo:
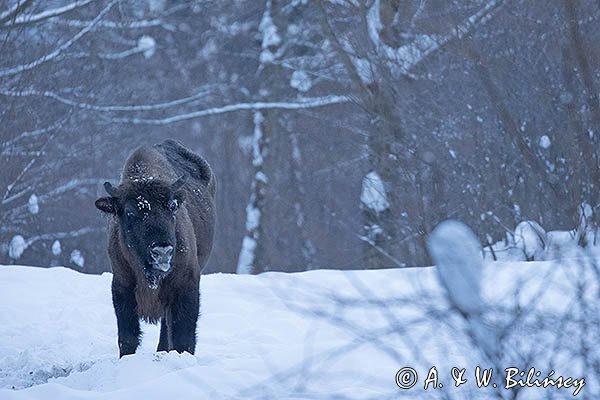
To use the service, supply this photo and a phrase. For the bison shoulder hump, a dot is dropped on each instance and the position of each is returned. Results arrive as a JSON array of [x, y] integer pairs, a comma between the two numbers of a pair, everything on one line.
[[185, 161]]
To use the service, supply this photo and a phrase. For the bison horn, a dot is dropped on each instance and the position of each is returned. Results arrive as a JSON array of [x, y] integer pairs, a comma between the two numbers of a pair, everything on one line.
[[178, 184], [110, 189]]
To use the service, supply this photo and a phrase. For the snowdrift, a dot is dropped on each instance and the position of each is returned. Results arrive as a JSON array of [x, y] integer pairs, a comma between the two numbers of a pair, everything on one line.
[[318, 334]]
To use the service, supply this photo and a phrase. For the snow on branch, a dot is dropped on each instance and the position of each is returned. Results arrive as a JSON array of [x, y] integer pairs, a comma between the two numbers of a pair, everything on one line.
[[14, 11], [29, 134], [60, 49], [137, 24], [18, 244], [141, 24], [50, 13], [70, 185], [247, 257], [405, 57], [109, 108], [18, 212], [7, 198], [260, 105]]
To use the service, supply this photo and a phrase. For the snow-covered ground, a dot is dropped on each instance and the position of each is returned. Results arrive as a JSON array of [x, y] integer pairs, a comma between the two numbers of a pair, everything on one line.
[[320, 334]]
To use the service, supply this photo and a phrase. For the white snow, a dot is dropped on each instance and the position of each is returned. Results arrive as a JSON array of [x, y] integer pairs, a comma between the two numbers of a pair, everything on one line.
[[252, 217], [56, 248], [157, 5], [373, 232], [319, 334], [530, 237], [253, 214], [77, 258], [261, 177], [373, 194], [246, 258], [402, 59], [270, 36], [300, 81], [16, 247], [364, 69], [457, 253], [560, 243], [143, 204], [33, 204], [147, 45], [545, 142], [257, 156]]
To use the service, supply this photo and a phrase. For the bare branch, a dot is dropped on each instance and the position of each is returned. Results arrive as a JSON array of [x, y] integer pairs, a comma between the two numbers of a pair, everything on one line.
[[406, 57], [60, 235], [7, 198], [53, 12], [58, 51], [138, 24], [110, 108], [16, 212], [37, 132], [11, 13], [141, 24], [260, 105]]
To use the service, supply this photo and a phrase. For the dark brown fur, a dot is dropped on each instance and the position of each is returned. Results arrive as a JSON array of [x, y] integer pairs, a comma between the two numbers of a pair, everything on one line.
[[148, 174]]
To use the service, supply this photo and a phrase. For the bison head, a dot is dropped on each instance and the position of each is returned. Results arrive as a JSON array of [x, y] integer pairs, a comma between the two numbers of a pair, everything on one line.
[[146, 213]]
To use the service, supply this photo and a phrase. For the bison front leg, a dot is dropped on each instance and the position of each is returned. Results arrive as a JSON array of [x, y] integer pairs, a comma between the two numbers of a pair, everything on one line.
[[184, 316], [163, 342], [128, 324]]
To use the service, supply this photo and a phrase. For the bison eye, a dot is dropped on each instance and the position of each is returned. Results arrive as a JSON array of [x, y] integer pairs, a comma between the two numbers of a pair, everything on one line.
[[130, 214], [173, 205]]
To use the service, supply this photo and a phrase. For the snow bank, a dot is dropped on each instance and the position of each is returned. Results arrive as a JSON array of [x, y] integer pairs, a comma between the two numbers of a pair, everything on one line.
[[317, 334]]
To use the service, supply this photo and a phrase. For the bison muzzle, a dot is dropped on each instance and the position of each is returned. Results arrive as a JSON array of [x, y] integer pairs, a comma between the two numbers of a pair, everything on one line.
[[160, 234]]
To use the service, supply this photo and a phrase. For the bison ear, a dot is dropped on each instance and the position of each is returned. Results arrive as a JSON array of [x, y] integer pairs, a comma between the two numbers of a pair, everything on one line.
[[107, 205], [110, 189], [178, 184]]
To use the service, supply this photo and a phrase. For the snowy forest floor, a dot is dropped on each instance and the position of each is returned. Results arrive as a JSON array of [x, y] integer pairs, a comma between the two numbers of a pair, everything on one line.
[[319, 334]]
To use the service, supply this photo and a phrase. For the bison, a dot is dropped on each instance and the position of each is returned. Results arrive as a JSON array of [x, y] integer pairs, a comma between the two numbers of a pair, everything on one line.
[[160, 234]]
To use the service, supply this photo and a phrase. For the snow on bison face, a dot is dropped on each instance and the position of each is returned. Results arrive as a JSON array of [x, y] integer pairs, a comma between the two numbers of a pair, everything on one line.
[[146, 214]]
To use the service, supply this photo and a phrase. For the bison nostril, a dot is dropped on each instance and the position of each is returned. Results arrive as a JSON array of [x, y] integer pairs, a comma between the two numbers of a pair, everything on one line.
[[161, 252]]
